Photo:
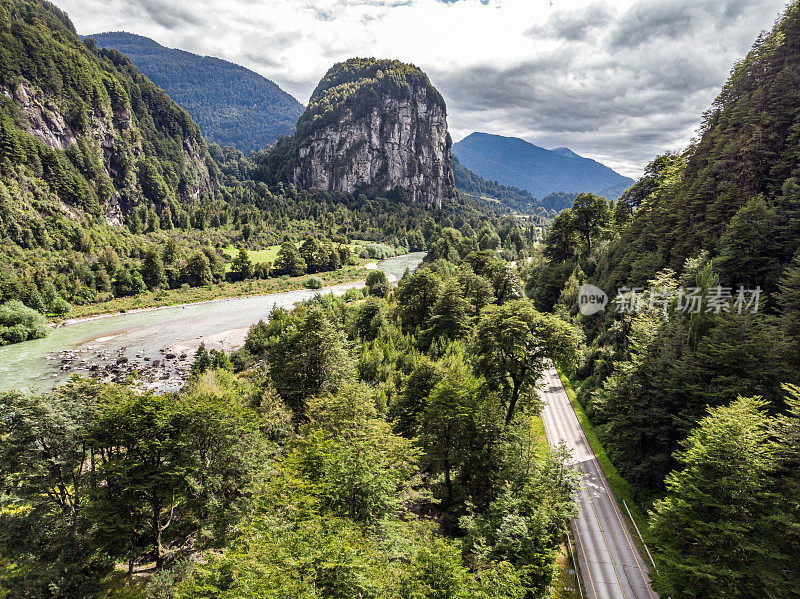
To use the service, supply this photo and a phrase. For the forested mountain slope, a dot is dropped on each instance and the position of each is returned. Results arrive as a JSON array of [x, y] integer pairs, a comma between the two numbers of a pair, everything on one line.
[[83, 134], [690, 374], [233, 106], [736, 192]]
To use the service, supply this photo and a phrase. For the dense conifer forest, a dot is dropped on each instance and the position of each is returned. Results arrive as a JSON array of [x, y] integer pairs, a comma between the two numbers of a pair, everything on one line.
[[698, 407]]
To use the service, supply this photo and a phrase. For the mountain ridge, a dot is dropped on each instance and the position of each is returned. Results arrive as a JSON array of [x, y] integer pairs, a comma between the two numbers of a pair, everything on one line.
[[233, 105], [518, 163]]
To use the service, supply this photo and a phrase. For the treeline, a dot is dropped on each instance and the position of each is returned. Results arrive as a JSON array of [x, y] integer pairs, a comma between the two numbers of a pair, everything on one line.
[[313, 256], [386, 447], [689, 373], [81, 264]]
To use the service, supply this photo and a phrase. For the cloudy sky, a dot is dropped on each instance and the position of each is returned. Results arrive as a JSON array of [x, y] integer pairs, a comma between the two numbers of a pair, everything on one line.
[[617, 80]]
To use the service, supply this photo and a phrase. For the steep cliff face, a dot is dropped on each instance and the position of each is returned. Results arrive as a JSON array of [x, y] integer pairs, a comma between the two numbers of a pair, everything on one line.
[[374, 126], [93, 135]]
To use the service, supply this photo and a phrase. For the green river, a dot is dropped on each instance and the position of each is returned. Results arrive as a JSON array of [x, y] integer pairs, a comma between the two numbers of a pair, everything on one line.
[[158, 342]]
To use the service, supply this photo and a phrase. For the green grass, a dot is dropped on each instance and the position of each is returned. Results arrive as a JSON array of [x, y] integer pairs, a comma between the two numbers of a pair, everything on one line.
[[622, 489], [564, 580], [267, 254], [117, 585], [538, 429]]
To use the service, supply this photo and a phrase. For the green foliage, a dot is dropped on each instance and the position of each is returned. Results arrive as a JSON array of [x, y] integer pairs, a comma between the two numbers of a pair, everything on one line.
[[242, 267], [589, 217], [20, 323], [153, 273], [524, 524], [379, 251], [416, 295], [362, 470], [307, 355], [340, 457], [289, 261], [60, 307], [377, 283], [713, 529], [92, 473], [197, 271], [43, 527], [314, 283], [205, 360], [748, 255], [512, 344]]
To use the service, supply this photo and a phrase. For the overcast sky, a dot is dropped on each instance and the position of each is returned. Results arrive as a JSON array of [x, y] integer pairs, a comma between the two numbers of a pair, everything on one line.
[[618, 81]]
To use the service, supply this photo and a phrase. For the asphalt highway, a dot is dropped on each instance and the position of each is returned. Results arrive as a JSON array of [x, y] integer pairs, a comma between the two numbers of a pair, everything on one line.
[[610, 562]]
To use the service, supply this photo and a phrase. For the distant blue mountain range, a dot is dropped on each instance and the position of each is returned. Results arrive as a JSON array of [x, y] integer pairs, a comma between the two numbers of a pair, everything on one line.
[[233, 106], [518, 163]]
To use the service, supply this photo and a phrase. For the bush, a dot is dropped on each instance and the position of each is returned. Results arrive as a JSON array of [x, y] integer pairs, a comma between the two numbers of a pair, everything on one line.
[[353, 295], [161, 585], [19, 323], [377, 283], [380, 251], [60, 306], [313, 283]]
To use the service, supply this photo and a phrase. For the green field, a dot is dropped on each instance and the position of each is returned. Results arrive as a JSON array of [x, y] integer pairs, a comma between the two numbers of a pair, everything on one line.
[[267, 254]]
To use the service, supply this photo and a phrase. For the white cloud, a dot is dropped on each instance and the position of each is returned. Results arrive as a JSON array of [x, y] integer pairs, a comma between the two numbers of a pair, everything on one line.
[[618, 81]]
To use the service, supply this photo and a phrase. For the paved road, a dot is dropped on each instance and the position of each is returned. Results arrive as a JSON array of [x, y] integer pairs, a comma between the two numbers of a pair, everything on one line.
[[610, 562]]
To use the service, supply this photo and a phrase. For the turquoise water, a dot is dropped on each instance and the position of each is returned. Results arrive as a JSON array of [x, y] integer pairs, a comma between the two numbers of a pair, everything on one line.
[[143, 337], [397, 265]]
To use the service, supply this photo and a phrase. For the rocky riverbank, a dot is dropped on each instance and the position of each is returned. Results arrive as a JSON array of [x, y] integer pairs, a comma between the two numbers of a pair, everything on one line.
[[167, 373]]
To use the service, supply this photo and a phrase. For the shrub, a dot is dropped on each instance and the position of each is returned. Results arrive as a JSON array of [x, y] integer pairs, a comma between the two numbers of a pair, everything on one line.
[[353, 295], [380, 251], [313, 283], [377, 283], [19, 323], [161, 585], [60, 306]]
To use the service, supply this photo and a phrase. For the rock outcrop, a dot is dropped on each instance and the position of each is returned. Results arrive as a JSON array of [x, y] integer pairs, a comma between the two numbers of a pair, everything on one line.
[[87, 135], [372, 126], [45, 120]]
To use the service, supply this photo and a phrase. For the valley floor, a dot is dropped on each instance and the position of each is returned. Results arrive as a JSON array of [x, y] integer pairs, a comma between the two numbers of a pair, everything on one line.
[[225, 290]]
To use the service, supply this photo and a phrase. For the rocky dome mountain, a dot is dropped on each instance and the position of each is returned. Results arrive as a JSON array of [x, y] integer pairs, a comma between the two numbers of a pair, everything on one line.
[[515, 162], [374, 126], [233, 106]]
